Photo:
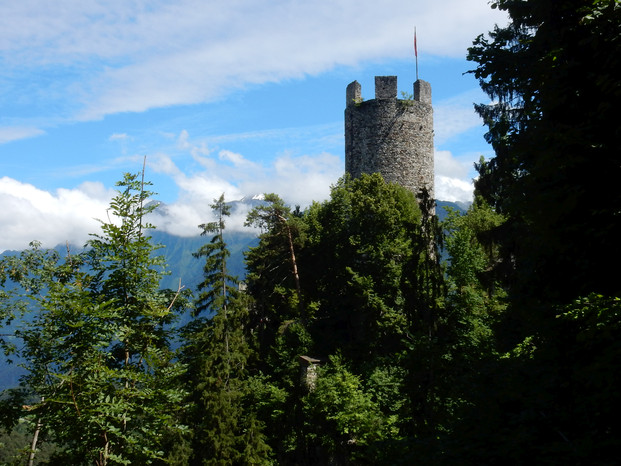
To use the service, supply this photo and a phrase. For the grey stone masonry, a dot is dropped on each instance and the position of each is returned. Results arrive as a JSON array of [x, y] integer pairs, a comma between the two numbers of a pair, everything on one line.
[[389, 135], [385, 87]]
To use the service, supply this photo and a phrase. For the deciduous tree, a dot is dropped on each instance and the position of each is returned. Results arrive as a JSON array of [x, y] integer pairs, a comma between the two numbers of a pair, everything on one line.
[[97, 351]]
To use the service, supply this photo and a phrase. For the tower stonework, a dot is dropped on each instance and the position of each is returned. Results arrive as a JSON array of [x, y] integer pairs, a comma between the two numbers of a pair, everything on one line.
[[389, 135]]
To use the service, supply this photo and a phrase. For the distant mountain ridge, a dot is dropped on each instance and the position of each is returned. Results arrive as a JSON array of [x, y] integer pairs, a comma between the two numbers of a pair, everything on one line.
[[183, 265]]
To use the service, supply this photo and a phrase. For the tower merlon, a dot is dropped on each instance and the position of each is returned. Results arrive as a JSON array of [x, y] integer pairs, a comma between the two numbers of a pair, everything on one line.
[[422, 91], [385, 87], [353, 93]]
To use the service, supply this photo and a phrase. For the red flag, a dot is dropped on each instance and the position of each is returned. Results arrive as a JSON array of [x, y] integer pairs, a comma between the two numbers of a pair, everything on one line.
[[416, 53]]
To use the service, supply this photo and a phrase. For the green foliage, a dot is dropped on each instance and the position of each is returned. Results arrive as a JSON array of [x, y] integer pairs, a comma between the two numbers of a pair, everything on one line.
[[15, 446], [359, 245], [353, 281], [270, 401], [472, 259], [273, 278], [370, 291], [358, 102], [551, 74], [225, 430], [592, 326], [407, 99], [342, 419], [96, 350], [552, 396], [217, 351], [217, 287]]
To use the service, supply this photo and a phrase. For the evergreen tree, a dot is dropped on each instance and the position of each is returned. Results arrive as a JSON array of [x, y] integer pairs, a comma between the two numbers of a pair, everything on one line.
[[225, 429], [359, 242], [551, 74], [273, 271], [218, 288]]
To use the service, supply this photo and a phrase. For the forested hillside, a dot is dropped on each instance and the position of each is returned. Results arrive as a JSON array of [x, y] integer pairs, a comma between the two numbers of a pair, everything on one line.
[[350, 341]]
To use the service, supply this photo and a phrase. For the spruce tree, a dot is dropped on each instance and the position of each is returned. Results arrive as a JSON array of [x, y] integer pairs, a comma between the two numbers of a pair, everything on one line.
[[225, 428], [551, 74]]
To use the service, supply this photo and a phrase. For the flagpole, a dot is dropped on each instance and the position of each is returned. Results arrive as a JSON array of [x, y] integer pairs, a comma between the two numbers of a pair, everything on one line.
[[416, 53]]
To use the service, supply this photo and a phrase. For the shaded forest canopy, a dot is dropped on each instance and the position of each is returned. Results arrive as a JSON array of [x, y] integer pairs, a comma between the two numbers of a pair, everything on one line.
[[349, 341]]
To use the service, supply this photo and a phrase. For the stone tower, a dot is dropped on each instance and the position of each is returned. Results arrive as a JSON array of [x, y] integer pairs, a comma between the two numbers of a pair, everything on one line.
[[391, 136]]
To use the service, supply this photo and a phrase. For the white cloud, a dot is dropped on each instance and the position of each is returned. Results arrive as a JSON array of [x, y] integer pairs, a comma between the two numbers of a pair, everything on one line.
[[132, 56], [453, 117], [299, 180], [453, 189], [118, 137], [237, 160], [162, 163], [446, 164], [451, 178], [181, 219], [303, 179], [14, 133], [67, 215], [30, 213]]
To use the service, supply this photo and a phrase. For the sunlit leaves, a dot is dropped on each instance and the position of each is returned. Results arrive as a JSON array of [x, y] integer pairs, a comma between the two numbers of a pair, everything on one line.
[[96, 348]]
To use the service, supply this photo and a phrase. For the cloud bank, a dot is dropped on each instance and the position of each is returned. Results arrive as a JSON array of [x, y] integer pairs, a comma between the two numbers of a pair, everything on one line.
[[119, 56], [451, 180], [66, 215], [69, 215]]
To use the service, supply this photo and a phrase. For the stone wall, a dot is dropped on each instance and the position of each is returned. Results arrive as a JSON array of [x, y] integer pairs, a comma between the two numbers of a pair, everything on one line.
[[389, 135]]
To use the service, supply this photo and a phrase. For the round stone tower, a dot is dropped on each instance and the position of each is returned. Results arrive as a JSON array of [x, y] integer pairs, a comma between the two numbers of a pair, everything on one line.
[[391, 136]]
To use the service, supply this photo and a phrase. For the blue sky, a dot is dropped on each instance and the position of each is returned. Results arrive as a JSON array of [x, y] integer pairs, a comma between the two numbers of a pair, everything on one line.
[[237, 96]]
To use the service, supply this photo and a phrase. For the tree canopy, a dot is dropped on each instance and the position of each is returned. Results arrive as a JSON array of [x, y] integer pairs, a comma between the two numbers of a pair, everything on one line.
[[364, 332], [100, 370], [552, 77]]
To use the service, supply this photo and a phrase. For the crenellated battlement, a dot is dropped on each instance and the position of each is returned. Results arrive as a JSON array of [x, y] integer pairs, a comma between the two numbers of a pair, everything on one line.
[[389, 135], [386, 88]]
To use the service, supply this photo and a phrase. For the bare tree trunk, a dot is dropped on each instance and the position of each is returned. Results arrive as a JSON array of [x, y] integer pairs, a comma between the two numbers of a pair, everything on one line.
[[103, 455], [294, 263], [35, 439], [294, 266]]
